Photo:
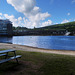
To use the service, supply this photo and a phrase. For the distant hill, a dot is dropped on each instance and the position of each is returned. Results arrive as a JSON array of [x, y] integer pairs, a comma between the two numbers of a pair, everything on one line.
[[19, 28], [70, 26]]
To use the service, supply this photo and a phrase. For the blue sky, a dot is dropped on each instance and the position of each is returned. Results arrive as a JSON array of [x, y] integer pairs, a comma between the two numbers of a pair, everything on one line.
[[37, 13]]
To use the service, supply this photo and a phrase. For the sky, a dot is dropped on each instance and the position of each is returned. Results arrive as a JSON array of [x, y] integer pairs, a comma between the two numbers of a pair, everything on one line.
[[37, 13]]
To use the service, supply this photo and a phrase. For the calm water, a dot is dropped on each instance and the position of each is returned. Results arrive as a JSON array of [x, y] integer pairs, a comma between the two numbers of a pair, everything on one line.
[[47, 42]]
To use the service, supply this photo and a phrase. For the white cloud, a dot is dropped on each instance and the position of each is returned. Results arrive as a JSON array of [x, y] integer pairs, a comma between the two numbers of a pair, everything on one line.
[[46, 23], [68, 14], [0, 14], [19, 18], [26, 22], [73, 1], [56, 23], [30, 10], [22, 5], [65, 21], [15, 22]]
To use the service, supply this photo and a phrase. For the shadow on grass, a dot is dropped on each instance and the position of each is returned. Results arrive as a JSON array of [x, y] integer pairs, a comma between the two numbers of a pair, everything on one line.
[[9, 68], [36, 63]]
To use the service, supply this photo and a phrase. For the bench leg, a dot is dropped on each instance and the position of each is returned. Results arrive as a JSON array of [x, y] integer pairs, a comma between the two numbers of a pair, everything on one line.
[[15, 56], [6, 55]]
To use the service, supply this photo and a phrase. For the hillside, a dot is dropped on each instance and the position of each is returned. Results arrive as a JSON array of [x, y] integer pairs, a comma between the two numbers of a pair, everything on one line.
[[70, 26]]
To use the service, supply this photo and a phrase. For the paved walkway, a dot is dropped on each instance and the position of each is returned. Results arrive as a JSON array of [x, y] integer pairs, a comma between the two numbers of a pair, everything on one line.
[[34, 49]]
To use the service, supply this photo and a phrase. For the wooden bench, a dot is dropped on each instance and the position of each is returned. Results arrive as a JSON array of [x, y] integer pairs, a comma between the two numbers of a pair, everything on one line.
[[5, 53]]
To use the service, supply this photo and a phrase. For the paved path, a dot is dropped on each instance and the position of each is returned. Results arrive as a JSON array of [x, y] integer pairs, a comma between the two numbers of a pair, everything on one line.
[[34, 49]]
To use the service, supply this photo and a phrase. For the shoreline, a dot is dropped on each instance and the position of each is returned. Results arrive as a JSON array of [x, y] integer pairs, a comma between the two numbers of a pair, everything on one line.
[[35, 49]]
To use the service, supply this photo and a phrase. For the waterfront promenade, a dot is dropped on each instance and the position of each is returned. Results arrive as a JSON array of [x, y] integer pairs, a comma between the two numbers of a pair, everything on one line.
[[34, 49]]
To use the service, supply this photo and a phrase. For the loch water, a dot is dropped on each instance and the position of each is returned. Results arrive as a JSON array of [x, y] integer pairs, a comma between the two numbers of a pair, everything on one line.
[[47, 42]]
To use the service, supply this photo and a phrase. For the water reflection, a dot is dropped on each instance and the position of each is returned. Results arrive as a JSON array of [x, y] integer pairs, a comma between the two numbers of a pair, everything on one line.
[[25, 40], [4, 39], [47, 42]]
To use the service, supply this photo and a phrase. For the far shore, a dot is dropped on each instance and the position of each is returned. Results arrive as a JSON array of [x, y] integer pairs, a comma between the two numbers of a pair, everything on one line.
[[35, 49]]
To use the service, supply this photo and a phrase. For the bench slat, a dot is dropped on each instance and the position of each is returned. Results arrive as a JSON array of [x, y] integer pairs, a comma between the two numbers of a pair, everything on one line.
[[2, 54], [4, 51], [5, 60]]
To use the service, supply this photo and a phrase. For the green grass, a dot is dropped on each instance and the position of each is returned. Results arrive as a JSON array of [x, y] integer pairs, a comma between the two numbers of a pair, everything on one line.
[[36, 63]]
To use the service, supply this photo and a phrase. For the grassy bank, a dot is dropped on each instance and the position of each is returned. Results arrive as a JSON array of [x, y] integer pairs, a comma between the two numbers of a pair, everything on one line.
[[36, 63]]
